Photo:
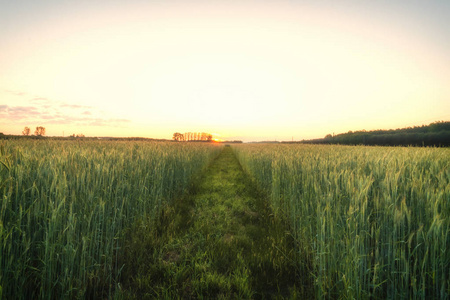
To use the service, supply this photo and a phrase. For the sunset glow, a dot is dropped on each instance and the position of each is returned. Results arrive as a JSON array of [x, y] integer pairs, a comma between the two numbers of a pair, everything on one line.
[[250, 70]]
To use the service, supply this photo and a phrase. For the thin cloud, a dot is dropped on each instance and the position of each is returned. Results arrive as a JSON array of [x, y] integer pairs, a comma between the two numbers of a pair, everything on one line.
[[52, 112], [109, 122], [86, 121], [15, 113], [39, 99], [48, 117], [15, 93], [22, 109], [75, 106]]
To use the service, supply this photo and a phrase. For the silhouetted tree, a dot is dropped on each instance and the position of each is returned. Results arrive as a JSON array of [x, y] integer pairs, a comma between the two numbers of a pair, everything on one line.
[[26, 131], [178, 137], [192, 136], [40, 131]]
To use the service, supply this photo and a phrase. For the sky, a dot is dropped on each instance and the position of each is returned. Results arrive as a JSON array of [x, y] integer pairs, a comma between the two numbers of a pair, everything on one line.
[[248, 70]]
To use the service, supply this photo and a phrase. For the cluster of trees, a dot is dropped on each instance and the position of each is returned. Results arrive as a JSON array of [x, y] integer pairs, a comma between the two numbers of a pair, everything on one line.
[[434, 134], [192, 136], [40, 131]]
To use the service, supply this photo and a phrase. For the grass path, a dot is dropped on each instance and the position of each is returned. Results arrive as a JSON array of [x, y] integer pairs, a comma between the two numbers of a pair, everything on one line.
[[220, 241]]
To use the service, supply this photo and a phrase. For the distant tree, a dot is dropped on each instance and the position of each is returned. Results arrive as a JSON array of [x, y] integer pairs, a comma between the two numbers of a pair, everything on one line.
[[192, 136], [328, 136], [40, 131], [80, 135], [26, 131], [196, 136], [178, 137]]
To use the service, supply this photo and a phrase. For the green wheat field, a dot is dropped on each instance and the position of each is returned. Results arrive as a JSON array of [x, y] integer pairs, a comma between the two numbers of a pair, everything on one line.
[[164, 220]]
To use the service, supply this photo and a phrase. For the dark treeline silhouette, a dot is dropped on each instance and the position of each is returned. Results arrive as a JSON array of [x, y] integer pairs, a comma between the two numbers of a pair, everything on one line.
[[125, 139], [192, 136], [435, 134], [271, 142], [232, 142]]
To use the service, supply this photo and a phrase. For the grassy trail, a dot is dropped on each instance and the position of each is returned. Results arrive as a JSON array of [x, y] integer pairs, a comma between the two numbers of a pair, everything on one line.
[[220, 241]]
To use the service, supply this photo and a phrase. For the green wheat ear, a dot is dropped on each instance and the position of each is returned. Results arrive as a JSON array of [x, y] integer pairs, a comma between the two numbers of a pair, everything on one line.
[[4, 159]]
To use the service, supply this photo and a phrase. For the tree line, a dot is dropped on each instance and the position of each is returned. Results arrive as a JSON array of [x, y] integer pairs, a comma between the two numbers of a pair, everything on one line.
[[40, 131], [192, 136], [435, 134]]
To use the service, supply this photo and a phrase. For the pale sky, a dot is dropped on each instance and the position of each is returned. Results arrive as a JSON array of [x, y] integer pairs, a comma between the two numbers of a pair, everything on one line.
[[250, 70]]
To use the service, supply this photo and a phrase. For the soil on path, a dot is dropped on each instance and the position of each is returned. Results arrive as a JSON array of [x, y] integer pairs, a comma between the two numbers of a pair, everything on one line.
[[220, 241]]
